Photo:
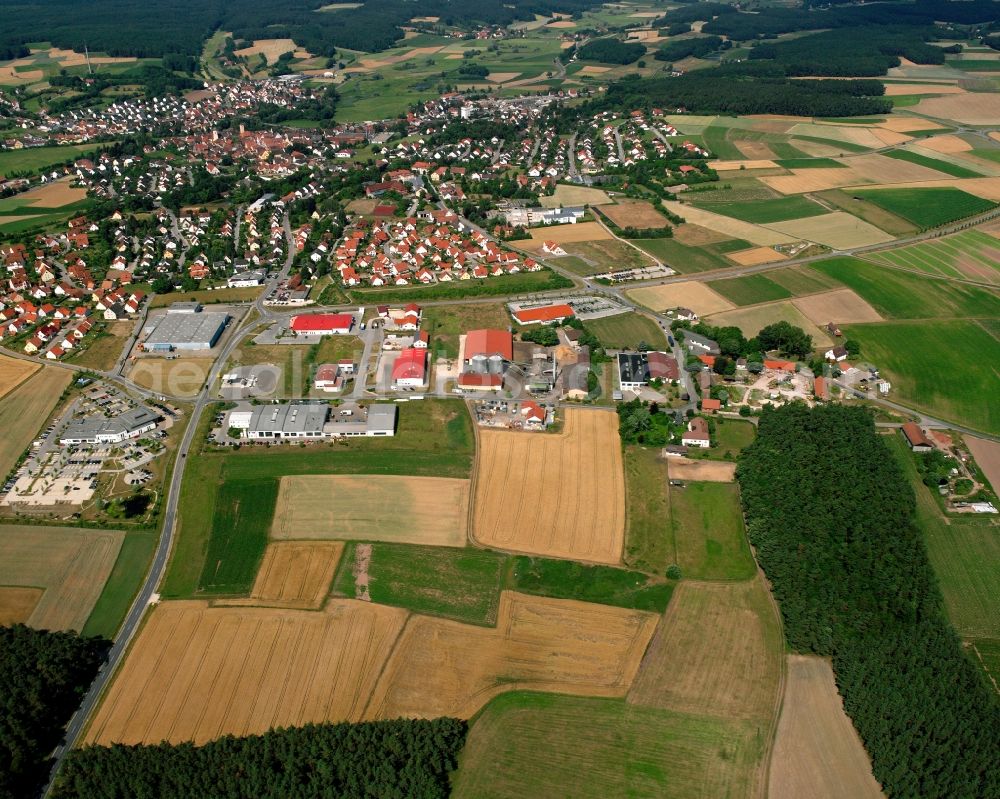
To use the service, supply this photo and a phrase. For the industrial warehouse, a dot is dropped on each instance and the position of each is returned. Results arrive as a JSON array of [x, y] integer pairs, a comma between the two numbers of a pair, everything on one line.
[[311, 420], [185, 327]]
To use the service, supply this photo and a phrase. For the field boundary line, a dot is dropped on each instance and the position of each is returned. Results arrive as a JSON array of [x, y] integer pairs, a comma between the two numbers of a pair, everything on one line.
[[377, 682]]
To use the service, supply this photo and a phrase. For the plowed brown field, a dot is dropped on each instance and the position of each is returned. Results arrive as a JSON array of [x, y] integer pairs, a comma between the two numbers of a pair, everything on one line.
[[413, 510], [71, 565], [817, 752], [841, 306], [197, 672], [707, 471], [557, 495], [444, 668]]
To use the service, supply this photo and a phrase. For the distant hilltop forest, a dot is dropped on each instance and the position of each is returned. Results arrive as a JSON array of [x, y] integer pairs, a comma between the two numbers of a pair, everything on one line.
[[869, 38]]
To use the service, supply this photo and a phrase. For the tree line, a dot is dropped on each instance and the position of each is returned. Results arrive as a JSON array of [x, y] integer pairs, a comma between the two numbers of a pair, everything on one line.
[[400, 758], [43, 676], [611, 50], [830, 514]]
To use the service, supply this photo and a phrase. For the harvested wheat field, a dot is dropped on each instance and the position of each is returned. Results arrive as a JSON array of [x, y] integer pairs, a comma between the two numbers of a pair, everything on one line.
[[196, 672], [757, 255], [700, 471], [445, 668], [182, 377], [593, 70], [817, 752], [686, 294], [736, 165], [53, 195], [69, 565], [752, 318], [638, 214], [271, 49], [808, 180], [754, 150], [560, 495], [987, 455], [411, 510], [564, 234], [574, 195], [24, 409], [947, 144], [13, 372], [841, 306], [17, 604], [987, 188], [293, 575], [718, 651], [695, 235], [896, 89], [974, 108], [733, 228], [838, 230]]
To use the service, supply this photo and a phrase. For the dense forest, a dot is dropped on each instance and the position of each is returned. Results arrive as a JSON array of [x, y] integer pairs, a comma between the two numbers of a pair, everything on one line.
[[43, 676], [141, 28], [403, 758], [611, 51], [830, 513], [697, 46], [759, 87]]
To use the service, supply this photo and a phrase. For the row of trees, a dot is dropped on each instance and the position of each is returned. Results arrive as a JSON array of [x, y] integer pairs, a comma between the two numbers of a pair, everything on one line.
[[830, 513], [782, 337], [402, 758], [43, 675]]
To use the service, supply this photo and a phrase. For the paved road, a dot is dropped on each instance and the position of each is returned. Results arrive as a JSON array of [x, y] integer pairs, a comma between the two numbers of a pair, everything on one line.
[[156, 571]]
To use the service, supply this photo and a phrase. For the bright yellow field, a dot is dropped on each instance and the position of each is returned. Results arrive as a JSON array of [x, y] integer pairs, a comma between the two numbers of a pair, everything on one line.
[[412, 510], [686, 294], [561, 495], [24, 410], [293, 574], [13, 372]]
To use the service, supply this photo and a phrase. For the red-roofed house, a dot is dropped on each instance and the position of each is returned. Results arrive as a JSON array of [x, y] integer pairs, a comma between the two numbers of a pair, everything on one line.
[[780, 366], [488, 345], [711, 404]]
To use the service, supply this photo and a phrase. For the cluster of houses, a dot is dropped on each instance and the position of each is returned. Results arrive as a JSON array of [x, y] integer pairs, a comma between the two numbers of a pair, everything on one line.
[[411, 251]]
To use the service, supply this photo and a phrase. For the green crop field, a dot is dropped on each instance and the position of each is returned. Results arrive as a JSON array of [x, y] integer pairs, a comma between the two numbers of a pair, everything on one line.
[[31, 159], [708, 532], [933, 163], [683, 258], [969, 255], [627, 331], [810, 163], [927, 208], [965, 554], [434, 438], [578, 266], [243, 513], [123, 584], [648, 544], [779, 209], [750, 289], [868, 212], [461, 584], [801, 280], [899, 295], [946, 368], [534, 745]]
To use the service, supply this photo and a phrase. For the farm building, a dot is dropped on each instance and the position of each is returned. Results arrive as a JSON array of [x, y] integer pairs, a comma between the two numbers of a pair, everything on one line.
[[486, 356], [697, 434], [322, 324], [636, 369], [710, 404], [697, 342], [311, 420], [545, 314], [837, 353], [410, 369], [185, 330], [99, 430], [329, 377], [915, 438]]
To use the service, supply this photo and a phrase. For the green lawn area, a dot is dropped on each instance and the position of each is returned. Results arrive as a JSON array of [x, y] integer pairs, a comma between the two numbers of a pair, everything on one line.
[[987, 153], [240, 524], [648, 541], [461, 584], [683, 258], [965, 554], [707, 523], [800, 280], [750, 289], [899, 295], [732, 436], [31, 159], [627, 331], [445, 323], [779, 209], [576, 265], [545, 280], [205, 297], [933, 163], [433, 438], [545, 745], [716, 137], [123, 584], [927, 207], [946, 368]]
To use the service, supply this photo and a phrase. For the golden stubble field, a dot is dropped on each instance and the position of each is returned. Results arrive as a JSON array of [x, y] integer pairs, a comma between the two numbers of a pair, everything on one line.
[[564, 234], [842, 306], [294, 575], [413, 510], [182, 377], [13, 372], [817, 752], [560, 495], [686, 294], [636, 213], [24, 410], [443, 667], [68, 565], [197, 672]]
